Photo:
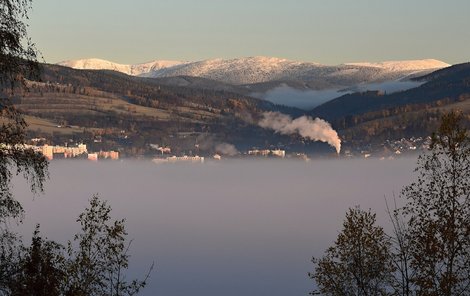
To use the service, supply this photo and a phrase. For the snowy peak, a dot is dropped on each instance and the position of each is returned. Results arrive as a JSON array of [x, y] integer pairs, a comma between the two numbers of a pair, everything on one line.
[[157, 65], [238, 71], [135, 70], [95, 64]]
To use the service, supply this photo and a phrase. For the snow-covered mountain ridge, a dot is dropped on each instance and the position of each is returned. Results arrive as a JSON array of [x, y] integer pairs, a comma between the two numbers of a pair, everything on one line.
[[252, 70], [135, 70], [411, 65]]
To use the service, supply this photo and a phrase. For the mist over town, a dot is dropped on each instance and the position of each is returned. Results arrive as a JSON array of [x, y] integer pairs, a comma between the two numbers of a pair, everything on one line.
[[234, 148]]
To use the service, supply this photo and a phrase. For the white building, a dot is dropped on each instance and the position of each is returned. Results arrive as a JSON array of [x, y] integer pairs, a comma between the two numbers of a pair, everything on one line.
[[185, 158]]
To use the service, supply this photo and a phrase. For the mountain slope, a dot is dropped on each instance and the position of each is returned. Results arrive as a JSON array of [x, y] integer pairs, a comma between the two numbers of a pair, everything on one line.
[[130, 112], [448, 85], [251, 70], [171, 92]]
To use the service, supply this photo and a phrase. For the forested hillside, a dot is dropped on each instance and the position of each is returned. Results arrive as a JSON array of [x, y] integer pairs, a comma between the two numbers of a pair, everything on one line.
[[374, 115]]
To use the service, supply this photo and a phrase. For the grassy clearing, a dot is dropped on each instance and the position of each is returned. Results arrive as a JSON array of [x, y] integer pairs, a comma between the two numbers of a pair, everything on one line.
[[48, 126], [56, 102], [64, 103]]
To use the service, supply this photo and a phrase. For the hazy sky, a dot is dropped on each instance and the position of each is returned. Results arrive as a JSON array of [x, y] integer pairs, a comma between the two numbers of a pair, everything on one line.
[[324, 31]]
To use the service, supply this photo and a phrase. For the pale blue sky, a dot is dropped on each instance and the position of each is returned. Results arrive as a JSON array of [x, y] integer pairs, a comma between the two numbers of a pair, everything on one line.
[[324, 31]]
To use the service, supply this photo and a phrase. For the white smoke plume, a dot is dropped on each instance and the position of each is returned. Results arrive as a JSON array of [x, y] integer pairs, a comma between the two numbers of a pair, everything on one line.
[[314, 129], [226, 149]]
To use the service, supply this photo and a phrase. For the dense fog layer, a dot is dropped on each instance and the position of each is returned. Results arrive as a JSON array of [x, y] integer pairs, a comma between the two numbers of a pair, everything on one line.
[[227, 228]]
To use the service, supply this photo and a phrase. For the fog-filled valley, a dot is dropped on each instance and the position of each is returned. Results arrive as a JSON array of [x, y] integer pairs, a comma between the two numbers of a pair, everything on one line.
[[307, 99], [239, 227], [223, 148]]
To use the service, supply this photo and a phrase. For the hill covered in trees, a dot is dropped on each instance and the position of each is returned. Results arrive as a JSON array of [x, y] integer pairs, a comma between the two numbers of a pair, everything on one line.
[[374, 115], [133, 112]]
